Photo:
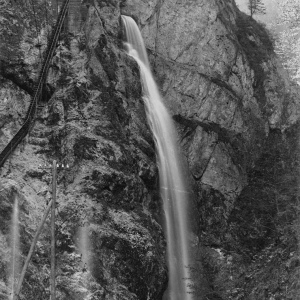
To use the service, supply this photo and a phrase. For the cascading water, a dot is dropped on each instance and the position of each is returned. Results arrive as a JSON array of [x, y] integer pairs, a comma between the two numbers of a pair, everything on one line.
[[172, 186], [14, 269], [83, 243]]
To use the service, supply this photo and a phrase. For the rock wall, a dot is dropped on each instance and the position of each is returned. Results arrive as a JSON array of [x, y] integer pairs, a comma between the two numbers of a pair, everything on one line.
[[210, 86], [229, 96], [230, 100], [108, 200]]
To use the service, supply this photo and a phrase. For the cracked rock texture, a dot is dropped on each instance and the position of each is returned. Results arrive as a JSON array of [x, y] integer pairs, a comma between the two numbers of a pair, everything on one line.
[[223, 107], [231, 101], [110, 242], [229, 96]]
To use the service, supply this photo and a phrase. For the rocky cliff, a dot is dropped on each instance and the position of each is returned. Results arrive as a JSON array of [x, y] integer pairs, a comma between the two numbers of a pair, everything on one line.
[[222, 83], [236, 115], [108, 201]]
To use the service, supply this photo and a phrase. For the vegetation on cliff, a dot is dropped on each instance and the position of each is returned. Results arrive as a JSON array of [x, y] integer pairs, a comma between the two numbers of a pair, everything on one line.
[[94, 121], [258, 245], [232, 110]]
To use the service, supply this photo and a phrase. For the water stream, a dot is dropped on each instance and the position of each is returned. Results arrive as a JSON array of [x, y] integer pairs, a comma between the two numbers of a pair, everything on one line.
[[14, 270], [172, 187], [84, 246]]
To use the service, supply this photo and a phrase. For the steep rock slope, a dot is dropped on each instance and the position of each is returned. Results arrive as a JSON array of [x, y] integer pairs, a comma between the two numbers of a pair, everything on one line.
[[110, 243], [237, 117], [212, 86], [231, 103]]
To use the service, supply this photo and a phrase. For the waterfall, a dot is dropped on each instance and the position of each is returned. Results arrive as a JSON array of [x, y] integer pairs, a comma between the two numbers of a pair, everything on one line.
[[14, 269], [172, 187], [84, 246]]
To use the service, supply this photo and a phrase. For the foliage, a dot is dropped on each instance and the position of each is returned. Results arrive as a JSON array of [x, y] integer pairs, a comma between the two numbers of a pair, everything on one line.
[[268, 204], [288, 40], [36, 284], [263, 227], [256, 7], [257, 253], [257, 43], [289, 13]]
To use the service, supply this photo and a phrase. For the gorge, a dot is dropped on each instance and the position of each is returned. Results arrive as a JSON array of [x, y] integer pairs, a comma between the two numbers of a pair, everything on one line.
[[236, 114]]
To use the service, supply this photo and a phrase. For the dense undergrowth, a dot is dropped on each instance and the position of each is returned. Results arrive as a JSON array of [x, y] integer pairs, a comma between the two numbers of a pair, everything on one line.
[[254, 254], [263, 226], [257, 250], [260, 243], [258, 44]]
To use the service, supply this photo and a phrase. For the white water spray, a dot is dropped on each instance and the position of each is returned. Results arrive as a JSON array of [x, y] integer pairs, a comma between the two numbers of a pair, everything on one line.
[[14, 270], [172, 186], [84, 246]]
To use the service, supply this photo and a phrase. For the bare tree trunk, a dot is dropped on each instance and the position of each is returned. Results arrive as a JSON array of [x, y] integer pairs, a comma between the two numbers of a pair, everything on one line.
[[35, 239], [52, 278]]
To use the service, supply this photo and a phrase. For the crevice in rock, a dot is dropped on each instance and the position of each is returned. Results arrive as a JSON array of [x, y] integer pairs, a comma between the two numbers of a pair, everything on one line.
[[186, 48], [233, 140], [233, 117], [99, 16], [233, 65], [198, 178], [224, 135], [17, 75]]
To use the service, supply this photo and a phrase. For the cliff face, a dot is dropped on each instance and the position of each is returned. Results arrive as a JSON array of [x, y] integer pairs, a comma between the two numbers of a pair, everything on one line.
[[110, 244], [232, 102], [223, 106], [236, 116]]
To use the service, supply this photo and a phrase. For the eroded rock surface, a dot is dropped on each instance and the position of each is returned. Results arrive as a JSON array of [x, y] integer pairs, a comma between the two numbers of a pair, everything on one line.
[[108, 199], [229, 97], [223, 99]]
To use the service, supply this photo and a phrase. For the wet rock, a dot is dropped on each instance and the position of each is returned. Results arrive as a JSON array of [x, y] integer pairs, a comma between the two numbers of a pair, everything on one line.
[[227, 91], [95, 122], [207, 74], [224, 102]]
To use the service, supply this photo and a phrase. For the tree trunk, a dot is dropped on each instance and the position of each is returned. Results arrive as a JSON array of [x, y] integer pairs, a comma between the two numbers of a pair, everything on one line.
[[35, 239], [52, 278]]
